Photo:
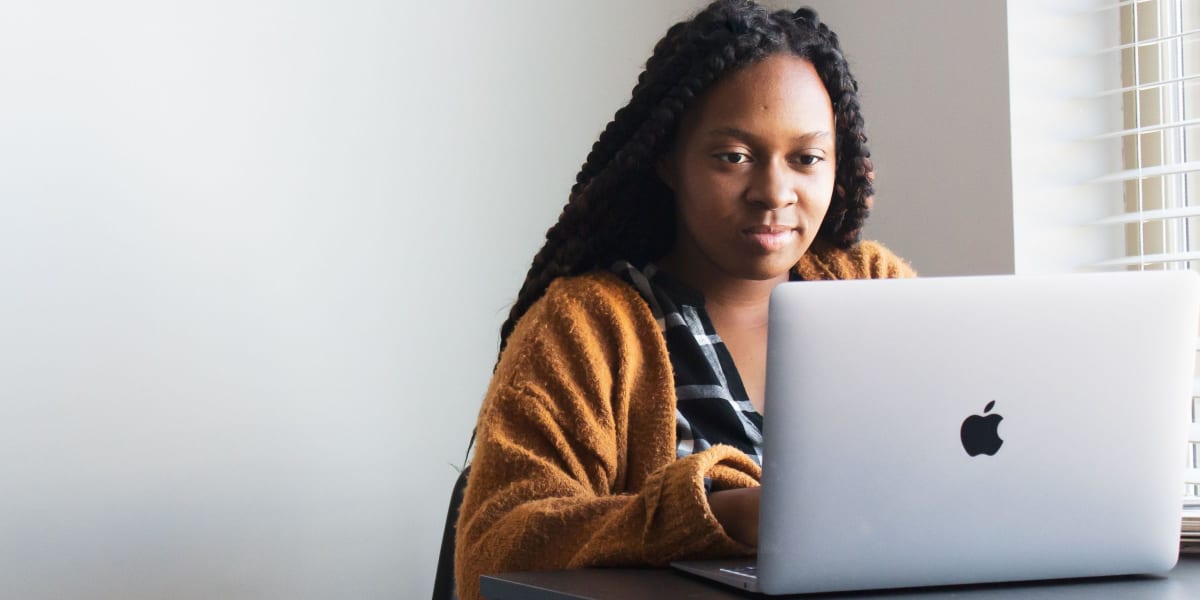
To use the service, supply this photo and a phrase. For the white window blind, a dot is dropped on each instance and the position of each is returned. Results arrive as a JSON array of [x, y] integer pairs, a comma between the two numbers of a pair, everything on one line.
[[1159, 143]]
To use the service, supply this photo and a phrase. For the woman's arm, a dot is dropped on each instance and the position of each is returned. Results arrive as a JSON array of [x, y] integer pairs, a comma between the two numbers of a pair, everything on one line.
[[575, 463]]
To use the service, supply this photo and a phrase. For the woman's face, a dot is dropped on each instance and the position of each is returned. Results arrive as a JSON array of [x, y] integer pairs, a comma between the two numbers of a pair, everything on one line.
[[752, 171]]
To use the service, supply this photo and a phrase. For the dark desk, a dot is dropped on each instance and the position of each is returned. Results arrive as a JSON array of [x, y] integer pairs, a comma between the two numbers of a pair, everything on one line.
[[666, 584]]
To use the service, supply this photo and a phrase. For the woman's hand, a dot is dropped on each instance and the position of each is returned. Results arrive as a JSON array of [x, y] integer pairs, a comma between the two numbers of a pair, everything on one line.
[[737, 512]]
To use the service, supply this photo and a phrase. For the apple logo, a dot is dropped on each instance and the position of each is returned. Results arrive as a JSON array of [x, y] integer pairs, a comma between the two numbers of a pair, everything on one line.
[[979, 433]]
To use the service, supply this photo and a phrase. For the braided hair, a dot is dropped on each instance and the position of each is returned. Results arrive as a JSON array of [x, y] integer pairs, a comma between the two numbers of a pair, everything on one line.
[[620, 209]]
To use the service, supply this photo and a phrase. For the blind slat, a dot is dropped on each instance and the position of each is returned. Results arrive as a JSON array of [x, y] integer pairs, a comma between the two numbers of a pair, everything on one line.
[[1156, 171], [1148, 86], [1150, 259], [1183, 212], [1121, 4], [1180, 125], [1152, 41]]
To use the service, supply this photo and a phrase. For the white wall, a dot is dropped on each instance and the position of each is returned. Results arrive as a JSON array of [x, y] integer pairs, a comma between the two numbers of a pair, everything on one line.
[[1057, 68], [255, 257]]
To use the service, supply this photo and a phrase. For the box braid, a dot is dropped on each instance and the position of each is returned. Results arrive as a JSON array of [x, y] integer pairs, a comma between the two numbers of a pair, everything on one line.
[[620, 209]]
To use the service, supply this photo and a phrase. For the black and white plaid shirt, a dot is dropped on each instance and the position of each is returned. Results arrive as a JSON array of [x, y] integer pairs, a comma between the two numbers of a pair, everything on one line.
[[712, 404]]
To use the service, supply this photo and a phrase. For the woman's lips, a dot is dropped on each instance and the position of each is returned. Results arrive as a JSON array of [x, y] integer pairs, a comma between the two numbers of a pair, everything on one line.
[[770, 238]]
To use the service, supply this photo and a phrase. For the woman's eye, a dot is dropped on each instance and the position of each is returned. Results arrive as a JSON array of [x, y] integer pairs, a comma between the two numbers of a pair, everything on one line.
[[810, 159], [733, 158]]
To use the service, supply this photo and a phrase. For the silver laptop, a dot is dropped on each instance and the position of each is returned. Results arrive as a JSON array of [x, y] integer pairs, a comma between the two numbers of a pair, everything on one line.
[[943, 431]]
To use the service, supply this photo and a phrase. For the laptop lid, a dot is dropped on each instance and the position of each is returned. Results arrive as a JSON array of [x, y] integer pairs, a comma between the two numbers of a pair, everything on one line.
[[962, 430]]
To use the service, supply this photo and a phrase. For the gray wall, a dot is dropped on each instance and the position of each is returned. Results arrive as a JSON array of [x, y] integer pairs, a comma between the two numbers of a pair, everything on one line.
[[255, 256], [934, 81]]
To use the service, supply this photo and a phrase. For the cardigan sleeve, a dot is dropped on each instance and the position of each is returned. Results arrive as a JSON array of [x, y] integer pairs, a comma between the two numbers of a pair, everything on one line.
[[574, 464]]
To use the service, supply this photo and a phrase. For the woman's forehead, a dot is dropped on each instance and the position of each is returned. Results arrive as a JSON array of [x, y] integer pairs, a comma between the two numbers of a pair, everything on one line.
[[781, 91]]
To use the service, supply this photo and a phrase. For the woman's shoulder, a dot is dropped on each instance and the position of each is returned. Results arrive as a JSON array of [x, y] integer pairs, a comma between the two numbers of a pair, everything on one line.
[[595, 290], [596, 309], [864, 260]]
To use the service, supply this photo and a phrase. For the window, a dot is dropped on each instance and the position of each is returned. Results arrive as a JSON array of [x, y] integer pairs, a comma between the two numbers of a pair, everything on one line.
[[1160, 152]]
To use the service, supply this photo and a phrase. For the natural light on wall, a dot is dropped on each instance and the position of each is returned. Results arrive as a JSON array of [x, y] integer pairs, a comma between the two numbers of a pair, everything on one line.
[[1160, 150]]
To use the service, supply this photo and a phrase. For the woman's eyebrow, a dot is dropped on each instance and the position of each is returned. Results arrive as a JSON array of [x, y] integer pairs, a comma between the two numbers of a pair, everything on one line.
[[750, 137]]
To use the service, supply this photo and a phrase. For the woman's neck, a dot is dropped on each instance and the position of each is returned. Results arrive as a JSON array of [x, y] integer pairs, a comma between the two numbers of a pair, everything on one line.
[[721, 292]]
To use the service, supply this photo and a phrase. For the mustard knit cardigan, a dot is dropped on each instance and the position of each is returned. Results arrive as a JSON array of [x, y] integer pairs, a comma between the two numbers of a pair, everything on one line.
[[575, 455]]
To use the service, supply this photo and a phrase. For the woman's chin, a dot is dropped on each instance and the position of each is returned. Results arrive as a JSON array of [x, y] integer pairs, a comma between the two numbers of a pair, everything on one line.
[[767, 268]]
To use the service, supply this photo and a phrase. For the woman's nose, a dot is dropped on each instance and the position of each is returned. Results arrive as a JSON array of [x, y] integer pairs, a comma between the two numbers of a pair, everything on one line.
[[773, 186]]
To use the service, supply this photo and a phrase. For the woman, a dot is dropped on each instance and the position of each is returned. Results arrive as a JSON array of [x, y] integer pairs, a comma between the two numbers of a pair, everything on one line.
[[623, 423]]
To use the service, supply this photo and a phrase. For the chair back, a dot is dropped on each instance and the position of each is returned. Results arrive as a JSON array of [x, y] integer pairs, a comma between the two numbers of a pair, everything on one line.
[[443, 582]]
